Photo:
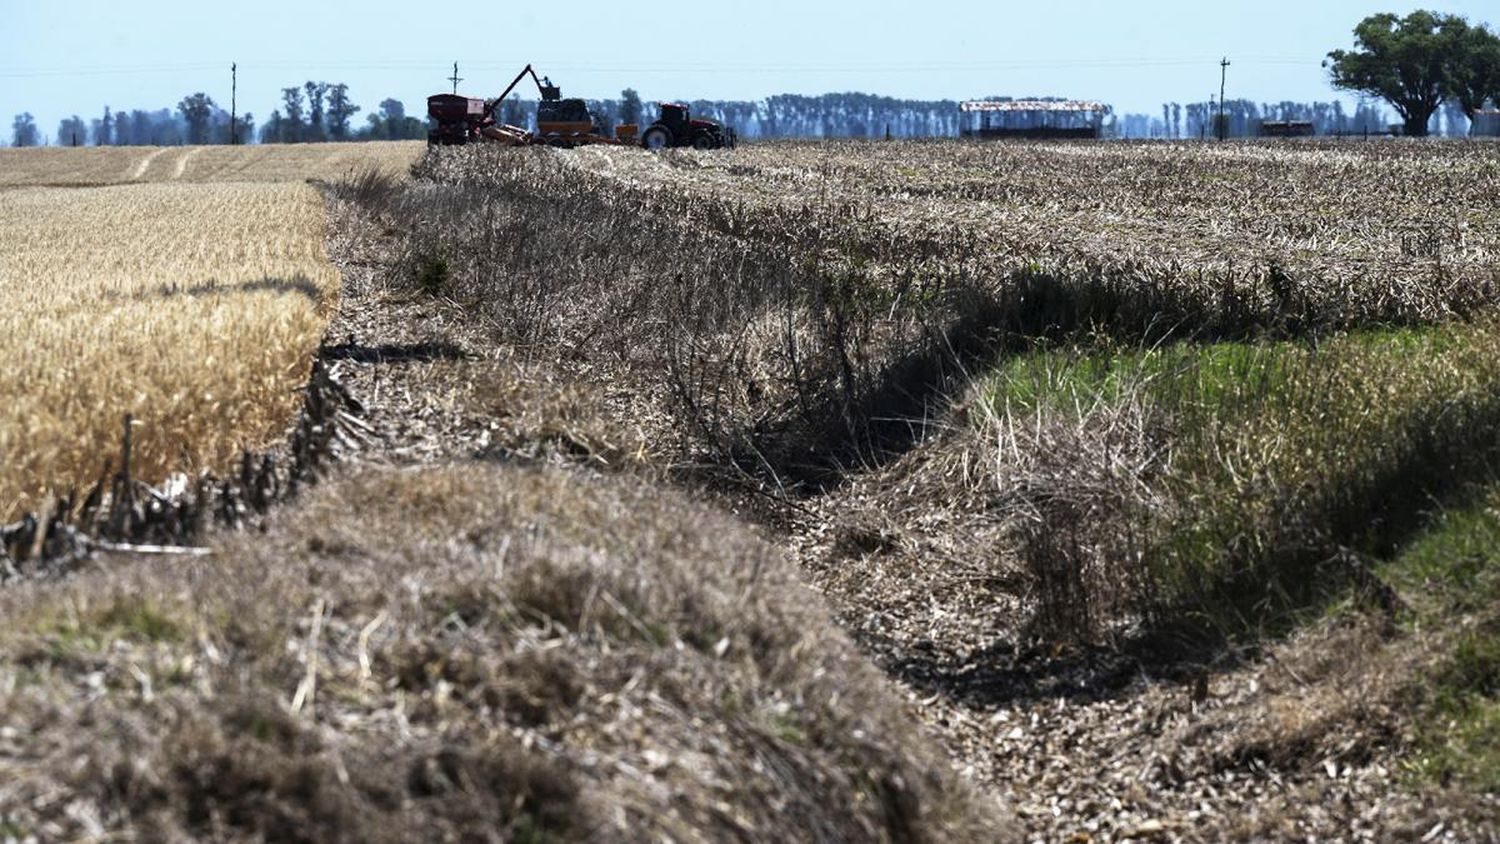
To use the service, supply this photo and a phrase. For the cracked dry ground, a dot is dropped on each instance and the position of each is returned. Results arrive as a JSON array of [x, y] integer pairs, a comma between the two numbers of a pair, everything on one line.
[[1299, 739]]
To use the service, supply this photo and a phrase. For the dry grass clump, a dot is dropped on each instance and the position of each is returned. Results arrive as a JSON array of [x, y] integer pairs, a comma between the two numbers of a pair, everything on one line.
[[1218, 490], [456, 652], [194, 308], [94, 166]]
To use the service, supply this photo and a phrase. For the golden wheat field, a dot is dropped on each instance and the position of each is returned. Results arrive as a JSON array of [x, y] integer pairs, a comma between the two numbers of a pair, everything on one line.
[[90, 166], [196, 306]]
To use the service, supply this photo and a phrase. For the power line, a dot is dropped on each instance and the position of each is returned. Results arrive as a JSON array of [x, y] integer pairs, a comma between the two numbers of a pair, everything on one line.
[[684, 67]]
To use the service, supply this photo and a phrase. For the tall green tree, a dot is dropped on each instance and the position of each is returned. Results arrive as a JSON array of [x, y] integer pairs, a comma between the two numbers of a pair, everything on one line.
[[72, 132], [246, 127], [390, 123], [315, 94], [340, 110], [197, 111], [1405, 61], [104, 129], [512, 112], [630, 106], [1474, 70], [289, 127], [274, 130], [23, 132]]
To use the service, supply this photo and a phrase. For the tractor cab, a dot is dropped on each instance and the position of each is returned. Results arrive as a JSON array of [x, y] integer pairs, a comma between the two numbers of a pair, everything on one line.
[[675, 116]]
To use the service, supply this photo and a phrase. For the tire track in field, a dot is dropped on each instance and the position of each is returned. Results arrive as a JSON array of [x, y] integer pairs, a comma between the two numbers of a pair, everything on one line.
[[140, 169], [183, 162]]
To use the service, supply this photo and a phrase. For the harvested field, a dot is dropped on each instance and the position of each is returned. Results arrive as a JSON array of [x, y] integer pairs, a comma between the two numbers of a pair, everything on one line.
[[830, 282], [1166, 401], [1217, 237], [92, 166]]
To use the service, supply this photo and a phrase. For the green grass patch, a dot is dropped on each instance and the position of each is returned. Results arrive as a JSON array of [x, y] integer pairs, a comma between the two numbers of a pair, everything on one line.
[[1185, 373], [130, 618], [1274, 455], [1456, 563], [143, 619], [1450, 575], [1278, 454], [1224, 377]]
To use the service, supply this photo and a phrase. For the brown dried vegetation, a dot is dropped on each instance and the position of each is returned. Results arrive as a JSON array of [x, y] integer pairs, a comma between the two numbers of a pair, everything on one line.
[[433, 653]]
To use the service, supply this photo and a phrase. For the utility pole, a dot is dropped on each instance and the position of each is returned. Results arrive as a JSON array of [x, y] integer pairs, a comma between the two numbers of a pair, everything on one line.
[[1223, 73], [455, 78], [234, 136]]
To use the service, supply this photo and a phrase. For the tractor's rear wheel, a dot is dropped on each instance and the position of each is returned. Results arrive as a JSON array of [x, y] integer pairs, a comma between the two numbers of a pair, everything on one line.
[[657, 137]]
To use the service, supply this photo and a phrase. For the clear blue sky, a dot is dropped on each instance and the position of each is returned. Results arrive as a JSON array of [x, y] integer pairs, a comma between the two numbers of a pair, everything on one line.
[[61, 58]]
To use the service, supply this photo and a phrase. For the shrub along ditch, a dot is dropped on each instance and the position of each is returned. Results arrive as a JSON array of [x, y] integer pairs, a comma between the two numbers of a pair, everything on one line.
[[1450, 576], [1255, 469]]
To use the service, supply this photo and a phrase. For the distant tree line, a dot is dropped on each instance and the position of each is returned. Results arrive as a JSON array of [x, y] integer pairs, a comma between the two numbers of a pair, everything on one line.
[[312, 113], [849, 115], [1243, 119], [316, 112], [322, 111]]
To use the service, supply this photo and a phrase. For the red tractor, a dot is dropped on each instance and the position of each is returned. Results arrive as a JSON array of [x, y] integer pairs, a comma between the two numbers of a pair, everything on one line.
[[677, 128]]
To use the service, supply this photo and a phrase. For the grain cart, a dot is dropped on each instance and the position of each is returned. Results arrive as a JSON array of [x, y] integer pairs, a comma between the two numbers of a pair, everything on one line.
[[560, 122], [676, 127], [467, 120]]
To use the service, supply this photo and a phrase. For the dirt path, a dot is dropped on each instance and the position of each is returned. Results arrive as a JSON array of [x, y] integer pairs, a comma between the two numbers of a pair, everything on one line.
[[145, 164], [182, 162]]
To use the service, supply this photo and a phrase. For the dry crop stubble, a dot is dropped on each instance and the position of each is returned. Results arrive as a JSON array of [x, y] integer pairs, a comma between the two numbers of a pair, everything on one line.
[[195, 307], [878, 263], [1326, 233]]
